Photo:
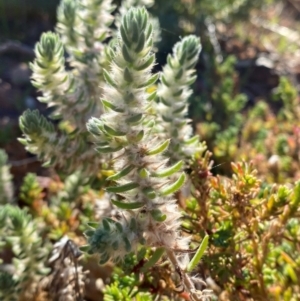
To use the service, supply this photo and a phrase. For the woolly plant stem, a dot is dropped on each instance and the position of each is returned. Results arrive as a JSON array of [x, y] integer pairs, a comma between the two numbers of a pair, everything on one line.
[[189, 286], [143, 180], [173, 93]]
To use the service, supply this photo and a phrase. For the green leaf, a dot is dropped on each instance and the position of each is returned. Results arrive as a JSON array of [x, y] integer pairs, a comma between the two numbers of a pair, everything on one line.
[[128, 98], [149, 192], [153, 79], [135, 30], [169, 61], [150, 82], [183, 57], [128, 206], [163, 79], [127, 75], [133, 224], [119, 227], [165, 102], [152, 96], [22, 141], [147, 64], [197, 257], [124, 36], [141, 254], [178, 93], [149, 31], [111, 106], [193, 54], [106, 224], [139, 18], [89, 233], [192, 140], [174, 187], [109, 130], [109, 52], [139, 137], [169, 171], [143, 173], [153, 260], [135, 119], [145, 21], [93, 225], [126, 54], [121, 174], [84, 248], [141, 43], [158, 149], [108, 79], [49, 162], [158, 215], [122, 188], [179, 110], [107, 149], [127, 244], [179, 74], [290, 271], [191, 81]]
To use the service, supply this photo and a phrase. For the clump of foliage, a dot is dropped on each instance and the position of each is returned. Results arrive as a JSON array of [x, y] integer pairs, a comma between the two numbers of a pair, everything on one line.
[[73, 94], [252, 253], [150, 216], [20, 278], [173, 93], [219, 112], [270, 137]]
